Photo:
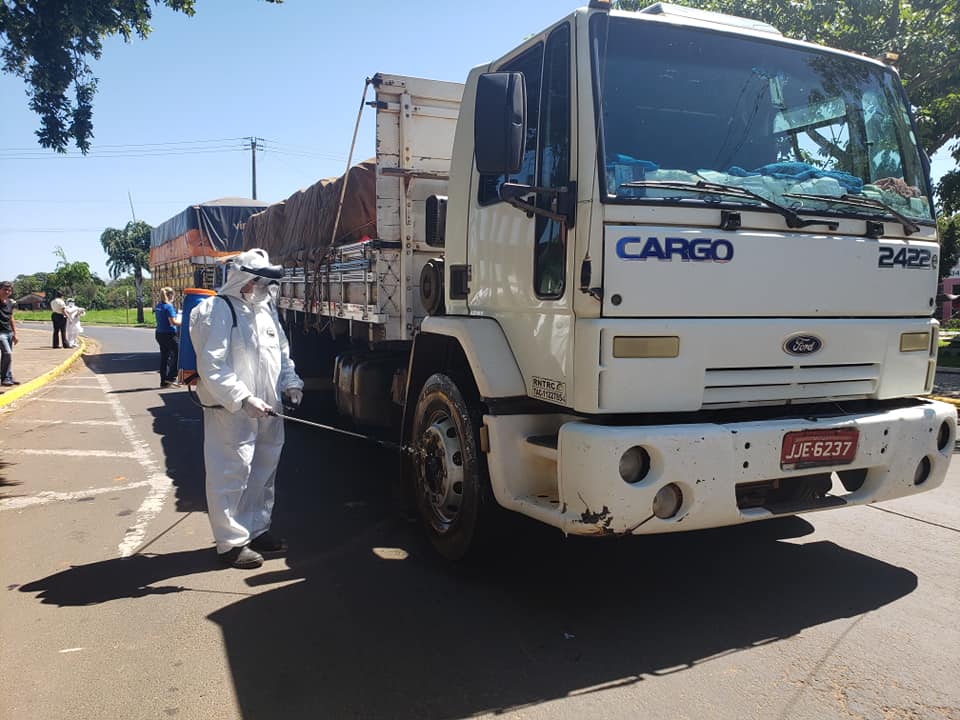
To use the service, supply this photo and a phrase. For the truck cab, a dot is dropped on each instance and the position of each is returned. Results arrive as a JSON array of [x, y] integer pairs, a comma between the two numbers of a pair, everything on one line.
[[689, 272]]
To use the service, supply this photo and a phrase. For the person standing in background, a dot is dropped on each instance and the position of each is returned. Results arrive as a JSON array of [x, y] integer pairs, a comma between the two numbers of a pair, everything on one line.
[[59, 318], [8, 333], [166, 335]]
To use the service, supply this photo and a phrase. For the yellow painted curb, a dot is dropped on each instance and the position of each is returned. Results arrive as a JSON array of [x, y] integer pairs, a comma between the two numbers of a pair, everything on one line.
[[38, 382], [953, 401]]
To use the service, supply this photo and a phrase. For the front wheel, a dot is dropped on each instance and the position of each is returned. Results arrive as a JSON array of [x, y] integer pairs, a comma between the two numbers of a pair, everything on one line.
[[451, 483]]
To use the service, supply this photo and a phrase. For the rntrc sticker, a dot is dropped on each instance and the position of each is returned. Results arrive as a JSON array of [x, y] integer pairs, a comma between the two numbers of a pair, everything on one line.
[[551, 390]]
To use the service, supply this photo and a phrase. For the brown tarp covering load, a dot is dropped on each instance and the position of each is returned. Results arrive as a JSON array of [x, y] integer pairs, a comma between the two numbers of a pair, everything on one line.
[[298, 230]]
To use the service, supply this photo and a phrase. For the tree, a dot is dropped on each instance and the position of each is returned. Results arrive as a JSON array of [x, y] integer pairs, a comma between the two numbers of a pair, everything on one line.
[[949, 228], [91, 295], [69, 276], [26, 284], [48, 43], [118, 292], [925, 34], [948, 191], [128, 251]]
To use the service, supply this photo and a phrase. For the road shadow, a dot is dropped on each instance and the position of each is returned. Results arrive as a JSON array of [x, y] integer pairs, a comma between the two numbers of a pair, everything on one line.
[[5, 484], [179, 424], [368, 634], [117, 578], [378, 627], [117, 363]]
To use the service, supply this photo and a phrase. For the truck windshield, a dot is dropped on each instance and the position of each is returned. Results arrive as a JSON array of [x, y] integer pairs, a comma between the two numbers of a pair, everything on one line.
[[686, 105]]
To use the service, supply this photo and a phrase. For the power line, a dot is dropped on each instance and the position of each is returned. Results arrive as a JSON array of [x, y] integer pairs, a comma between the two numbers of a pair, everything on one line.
[[300, 149], [312, 156], [141, 145], [172, 148], [102, 156]]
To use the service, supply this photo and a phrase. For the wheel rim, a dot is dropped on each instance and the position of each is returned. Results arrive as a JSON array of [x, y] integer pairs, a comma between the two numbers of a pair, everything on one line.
[[441, 471]]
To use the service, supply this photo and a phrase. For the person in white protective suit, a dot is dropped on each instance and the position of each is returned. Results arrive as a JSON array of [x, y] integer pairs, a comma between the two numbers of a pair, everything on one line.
[[244, 367], [74, 329]]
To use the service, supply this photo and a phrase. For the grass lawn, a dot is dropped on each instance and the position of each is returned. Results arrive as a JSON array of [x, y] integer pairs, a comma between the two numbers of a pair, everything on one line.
[[96, 317]]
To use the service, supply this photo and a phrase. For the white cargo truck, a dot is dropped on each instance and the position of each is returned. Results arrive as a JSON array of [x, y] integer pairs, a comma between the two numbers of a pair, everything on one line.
[[647, 272]]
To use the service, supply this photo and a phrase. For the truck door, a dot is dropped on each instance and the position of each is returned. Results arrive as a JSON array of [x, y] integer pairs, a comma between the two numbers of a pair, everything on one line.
[[520, 269]]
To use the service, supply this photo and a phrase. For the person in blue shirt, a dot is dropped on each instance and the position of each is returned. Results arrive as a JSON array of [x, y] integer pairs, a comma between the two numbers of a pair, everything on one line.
[[166, 334]]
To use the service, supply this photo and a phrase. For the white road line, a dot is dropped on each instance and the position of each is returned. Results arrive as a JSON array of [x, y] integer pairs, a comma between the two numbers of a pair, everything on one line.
[[77, 387], [71, 453], [49, 496], [72, 402], [160, 483]]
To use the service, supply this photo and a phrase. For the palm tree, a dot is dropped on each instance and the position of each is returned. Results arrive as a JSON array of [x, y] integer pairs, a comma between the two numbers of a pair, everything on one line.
[[128, 251]]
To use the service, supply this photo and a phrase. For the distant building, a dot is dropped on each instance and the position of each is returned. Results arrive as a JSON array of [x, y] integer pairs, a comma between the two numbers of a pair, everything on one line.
[[33, 301]]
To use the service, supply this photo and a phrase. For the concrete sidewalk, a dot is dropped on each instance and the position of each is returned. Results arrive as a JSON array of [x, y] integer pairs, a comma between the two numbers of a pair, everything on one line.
[[35, 361]]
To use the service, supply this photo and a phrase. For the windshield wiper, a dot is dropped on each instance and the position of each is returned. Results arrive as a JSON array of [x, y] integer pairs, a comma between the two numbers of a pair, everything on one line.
[[793, 219], [909, 226]]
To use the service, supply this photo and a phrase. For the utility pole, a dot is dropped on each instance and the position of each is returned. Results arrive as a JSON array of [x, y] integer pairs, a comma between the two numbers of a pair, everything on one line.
[[253, 162]]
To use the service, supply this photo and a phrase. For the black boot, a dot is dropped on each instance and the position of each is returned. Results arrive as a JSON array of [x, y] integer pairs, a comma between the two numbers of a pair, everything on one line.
[[241, 557]]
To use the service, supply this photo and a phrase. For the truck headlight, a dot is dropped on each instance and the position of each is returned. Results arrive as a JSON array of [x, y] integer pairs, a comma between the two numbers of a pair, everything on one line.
[[630, 346], [914, 341]]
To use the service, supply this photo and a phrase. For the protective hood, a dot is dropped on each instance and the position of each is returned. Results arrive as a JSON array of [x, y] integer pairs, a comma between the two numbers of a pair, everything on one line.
[[249, 265]]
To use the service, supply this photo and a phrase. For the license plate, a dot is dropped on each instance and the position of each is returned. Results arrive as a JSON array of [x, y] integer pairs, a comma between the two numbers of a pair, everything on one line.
[[810, 448]]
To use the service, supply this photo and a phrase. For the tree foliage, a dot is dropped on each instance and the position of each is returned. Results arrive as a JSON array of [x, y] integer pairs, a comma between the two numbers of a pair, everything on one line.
[[128, 251], [26, 284], [949, 228], [925, 34], [73, 279], [948, 190], [49, 44], [118, 293]]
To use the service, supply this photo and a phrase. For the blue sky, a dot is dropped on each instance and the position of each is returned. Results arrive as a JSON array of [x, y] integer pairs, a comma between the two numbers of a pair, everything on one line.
[[171, 111]]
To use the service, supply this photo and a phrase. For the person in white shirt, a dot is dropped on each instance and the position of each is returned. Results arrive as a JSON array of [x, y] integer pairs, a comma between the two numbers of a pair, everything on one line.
[[59, 318]]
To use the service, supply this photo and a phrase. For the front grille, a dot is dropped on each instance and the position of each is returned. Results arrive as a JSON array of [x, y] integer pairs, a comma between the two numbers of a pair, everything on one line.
[[774, 384]]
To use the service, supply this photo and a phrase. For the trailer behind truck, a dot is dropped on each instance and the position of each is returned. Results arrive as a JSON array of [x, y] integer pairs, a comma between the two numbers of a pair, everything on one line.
[[188, 249], [647, 272]]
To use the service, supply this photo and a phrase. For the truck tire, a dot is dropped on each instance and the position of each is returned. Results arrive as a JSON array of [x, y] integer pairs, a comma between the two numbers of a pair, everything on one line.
[[450, 478]]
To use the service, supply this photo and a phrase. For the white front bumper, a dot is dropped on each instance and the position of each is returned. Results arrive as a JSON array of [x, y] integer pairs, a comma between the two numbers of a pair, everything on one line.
[[707, 461]]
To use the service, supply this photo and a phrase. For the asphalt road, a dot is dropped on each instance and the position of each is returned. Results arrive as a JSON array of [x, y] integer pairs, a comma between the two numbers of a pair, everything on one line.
[[114, 606]]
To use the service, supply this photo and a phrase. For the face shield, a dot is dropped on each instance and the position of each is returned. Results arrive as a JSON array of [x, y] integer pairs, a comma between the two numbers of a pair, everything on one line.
[[260, 289], [251, 276]]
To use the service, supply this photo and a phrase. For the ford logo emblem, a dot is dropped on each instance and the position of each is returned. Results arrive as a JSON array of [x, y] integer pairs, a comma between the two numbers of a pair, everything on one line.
[[802, 344]]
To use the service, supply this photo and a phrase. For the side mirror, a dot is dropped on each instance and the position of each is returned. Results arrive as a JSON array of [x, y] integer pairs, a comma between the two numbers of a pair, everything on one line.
[[500, 123]]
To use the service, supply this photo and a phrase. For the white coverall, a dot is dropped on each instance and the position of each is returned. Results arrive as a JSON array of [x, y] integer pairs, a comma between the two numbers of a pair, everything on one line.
[[74, 329], [241, 453]]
